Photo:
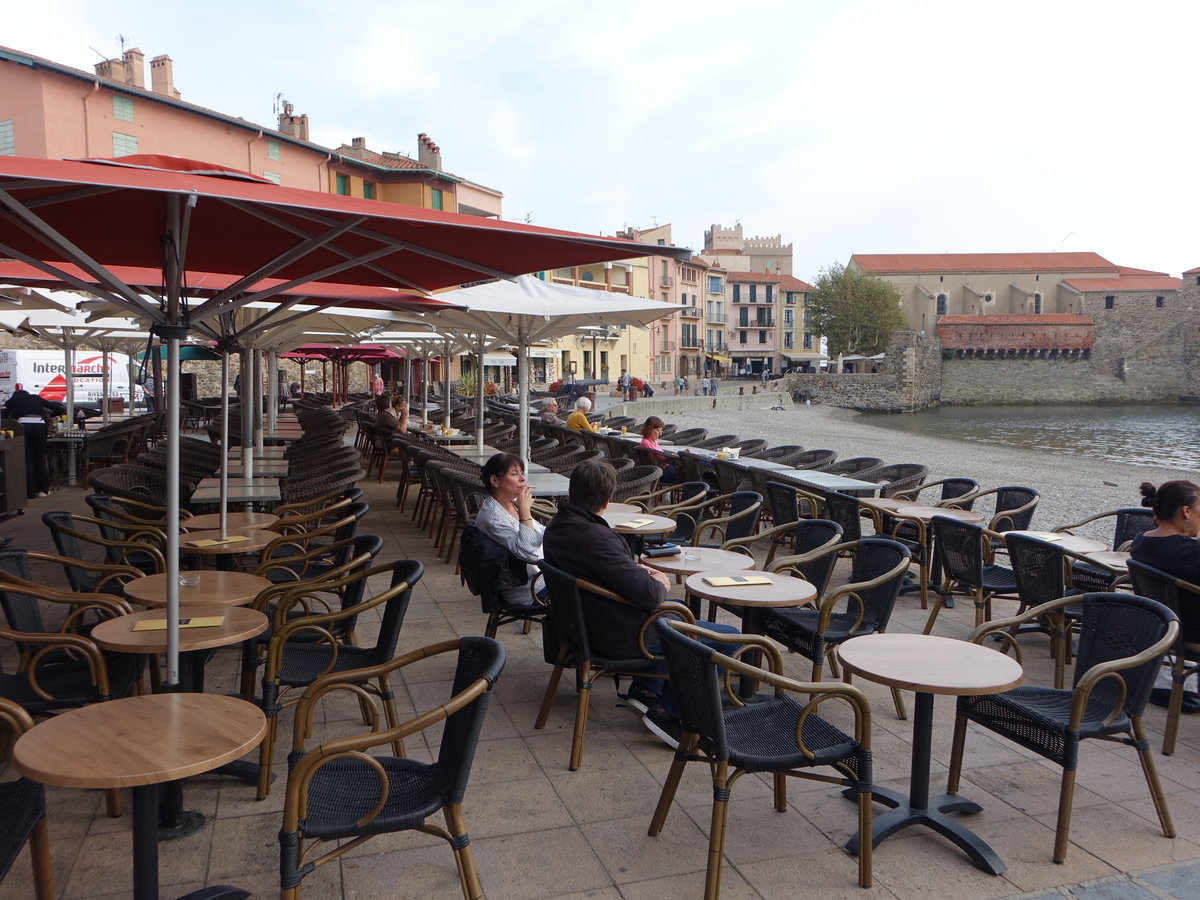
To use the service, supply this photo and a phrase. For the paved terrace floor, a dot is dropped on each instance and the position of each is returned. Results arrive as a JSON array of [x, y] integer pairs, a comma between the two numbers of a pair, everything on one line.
[[539, 830]]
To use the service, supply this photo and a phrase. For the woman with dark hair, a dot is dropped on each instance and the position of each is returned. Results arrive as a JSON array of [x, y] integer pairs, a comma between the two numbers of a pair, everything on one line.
[[652, 430], [30, 410], [506, 517], [1171, 547]]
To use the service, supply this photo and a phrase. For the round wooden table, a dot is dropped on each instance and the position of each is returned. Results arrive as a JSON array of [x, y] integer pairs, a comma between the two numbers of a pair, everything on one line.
[[1071, 542], [702, 559], [256, 539], [929, 665], [654, 524], [784, 590], [234, 521], [215, 588], [925, 513], [238, 625], [140, 742], [623, 509], [1112, 559]]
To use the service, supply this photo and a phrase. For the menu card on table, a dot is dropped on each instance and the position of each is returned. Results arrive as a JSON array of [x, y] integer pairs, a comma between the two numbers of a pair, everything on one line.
[[735, 580], [216, 542], [184, 622]]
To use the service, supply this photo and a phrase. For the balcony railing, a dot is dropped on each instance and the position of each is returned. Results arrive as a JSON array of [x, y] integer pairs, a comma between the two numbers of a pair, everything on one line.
[[691, 344], [716, 319], [666, 281], [691, 312], [666, 347]]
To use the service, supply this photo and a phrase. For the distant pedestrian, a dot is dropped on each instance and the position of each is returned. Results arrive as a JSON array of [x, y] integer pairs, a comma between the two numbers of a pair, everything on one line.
[[678, 384], [623, 382], [376, 385], [683, 387], [712, 385], [31, 411], [704, 386]]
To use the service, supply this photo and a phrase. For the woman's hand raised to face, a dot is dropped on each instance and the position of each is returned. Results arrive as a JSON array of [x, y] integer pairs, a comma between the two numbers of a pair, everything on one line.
[[525, 502]]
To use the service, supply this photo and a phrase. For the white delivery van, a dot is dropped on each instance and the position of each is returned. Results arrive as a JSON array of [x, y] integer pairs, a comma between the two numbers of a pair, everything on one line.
[[42, 372]]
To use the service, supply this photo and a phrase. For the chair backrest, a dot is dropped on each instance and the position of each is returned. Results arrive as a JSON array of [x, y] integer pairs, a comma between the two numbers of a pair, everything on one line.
[[810, 535], [873, 558], [744, 522], [959, 487], [782, 502], [696, 687], [958, 547], [844, 509], [1039, 568], [729, 475], [854, 465], [478, 657], [689, 436], [1119, 625], [404, 571], [566, 610], [1131, 521], [688, 466], [487, 567], [1171, 593], [22, 611], [1009, 500]]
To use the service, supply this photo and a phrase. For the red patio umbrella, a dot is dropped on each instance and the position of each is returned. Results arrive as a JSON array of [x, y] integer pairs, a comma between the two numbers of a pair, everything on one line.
[[95, 216]]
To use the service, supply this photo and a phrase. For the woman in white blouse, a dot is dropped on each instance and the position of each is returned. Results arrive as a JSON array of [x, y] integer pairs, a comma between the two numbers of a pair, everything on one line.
[[506, 517]]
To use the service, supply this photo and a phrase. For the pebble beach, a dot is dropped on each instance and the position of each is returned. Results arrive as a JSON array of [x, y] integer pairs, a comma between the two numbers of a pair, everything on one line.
[[1072, 486]]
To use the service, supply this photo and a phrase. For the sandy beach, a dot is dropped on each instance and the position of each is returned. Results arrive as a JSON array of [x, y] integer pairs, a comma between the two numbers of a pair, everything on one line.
[[1073, 487]]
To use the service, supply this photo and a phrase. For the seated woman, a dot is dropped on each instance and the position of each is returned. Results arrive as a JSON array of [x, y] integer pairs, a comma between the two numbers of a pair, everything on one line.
[[506, 518], [652, 430], [1171, 547], [578, 420]]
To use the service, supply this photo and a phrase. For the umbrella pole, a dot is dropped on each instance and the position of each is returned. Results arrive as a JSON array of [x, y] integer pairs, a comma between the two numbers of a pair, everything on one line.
[[479, 395], [272, 393], [225, 440], [523, 392], [172, 677], [446, 385], [244, 412], [425, 390], [257, 399]]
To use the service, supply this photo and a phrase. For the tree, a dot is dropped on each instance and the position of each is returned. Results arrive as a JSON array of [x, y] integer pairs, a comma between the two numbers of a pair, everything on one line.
[[854, 312]]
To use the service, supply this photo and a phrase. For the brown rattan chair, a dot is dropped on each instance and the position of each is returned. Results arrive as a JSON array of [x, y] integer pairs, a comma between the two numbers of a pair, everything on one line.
[[23, 813]]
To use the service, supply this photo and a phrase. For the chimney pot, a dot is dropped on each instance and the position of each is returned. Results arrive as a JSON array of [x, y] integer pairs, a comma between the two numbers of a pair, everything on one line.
[[358, 143], [162, 76]]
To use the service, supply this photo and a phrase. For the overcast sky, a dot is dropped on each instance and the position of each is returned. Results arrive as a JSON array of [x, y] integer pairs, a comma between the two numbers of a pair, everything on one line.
[[868, 127]]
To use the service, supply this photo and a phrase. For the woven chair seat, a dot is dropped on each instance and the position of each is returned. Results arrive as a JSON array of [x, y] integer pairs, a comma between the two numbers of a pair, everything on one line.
[[761, 737], [302, 663], [1036, 717], [69, 683], [796, 628], [345, 791], [22, 805]]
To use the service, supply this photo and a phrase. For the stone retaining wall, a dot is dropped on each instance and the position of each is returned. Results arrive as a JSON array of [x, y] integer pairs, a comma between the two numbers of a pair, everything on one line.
[[667, 407]]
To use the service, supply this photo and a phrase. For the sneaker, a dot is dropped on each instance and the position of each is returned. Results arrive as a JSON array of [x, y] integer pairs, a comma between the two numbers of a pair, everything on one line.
[[664, 726], [42, 494], [641, 699]]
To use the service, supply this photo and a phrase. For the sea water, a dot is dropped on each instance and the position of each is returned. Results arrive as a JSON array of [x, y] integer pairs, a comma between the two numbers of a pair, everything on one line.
[[1167, 436]]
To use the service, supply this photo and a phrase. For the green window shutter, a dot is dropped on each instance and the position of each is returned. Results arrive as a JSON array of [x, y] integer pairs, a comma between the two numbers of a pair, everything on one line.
[[435, 199], [343, 185], [368, 190], [8, 141], [123, 108], [124, 144], [272, 149], [271, 176]]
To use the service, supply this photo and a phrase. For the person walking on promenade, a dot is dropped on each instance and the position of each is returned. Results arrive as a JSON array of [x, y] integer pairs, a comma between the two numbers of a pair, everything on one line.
[[623, 382], [30, 412]]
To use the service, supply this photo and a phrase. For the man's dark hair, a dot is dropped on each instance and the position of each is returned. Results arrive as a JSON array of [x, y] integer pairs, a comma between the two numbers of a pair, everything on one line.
[[499, 465], [383, 401], [592, 485]]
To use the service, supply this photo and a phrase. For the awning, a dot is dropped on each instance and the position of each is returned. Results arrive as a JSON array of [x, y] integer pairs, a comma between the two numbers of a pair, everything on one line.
[[719, 357], [499, 359]]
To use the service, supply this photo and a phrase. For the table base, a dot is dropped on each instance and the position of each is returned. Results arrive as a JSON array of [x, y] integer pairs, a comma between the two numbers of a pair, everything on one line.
[[918, 808]]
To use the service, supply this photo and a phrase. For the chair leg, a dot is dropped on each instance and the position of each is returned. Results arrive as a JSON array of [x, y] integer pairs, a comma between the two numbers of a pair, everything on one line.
[[112, 803], [716, 832], [865, 847], [898, 701], [493, 623], [671, 785], [1062, 829], [551, 690], [938, 603], [39, 852], [956, 754], [264, 757], [467, 876], [780, 792], [1174, 708], [581, 715], [1146, 758]]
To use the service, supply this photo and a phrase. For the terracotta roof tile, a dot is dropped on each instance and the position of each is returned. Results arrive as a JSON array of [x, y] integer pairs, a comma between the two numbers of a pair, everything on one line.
[[1125, 271], [1128, 283], [1195, 271], [913, 263]]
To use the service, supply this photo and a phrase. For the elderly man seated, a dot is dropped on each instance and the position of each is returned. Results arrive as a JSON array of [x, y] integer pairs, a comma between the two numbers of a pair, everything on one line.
[[578, 420], [550, 412], [580, 542]]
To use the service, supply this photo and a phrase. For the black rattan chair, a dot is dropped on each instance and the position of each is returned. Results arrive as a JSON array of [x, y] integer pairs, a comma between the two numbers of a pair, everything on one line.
[[963, 555], [339, 792], [23, 813], [1122, 640], [1128, 523], [784, 735], [1180, 597]]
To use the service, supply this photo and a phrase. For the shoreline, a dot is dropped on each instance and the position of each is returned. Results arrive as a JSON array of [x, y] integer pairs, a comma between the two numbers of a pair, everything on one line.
[[1073, 487]]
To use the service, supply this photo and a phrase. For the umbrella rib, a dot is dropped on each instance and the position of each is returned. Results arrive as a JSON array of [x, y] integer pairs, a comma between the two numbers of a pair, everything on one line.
[[333, 248], [55, 199]]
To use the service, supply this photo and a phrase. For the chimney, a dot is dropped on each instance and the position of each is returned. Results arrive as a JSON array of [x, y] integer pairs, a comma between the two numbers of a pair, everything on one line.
[[429, 154], [162, 76], [296, 126], [358, 143], [134, 63]]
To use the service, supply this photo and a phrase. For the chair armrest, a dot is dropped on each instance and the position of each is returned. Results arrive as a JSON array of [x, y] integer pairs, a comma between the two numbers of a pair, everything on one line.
[[720, 523], [56, 641], [833, 547], [851, 591], [666, 608], [1088, 681], [1066, 529]]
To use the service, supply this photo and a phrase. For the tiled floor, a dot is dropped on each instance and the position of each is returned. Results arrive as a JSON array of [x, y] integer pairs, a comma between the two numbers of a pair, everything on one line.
[[539, 830]]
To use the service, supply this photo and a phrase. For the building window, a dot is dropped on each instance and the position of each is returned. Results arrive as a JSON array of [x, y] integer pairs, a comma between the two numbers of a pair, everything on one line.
[[1037, 304], [743, 316], [435, 199], [342, 185], [806, 317], [368, 191], [714, 284], [124, 144], [807, 341], [272, 148], [587, 276], [271, 176], [770, 290], [788, 340], [123, 108], [941, 304], [754, 293], [762, 337], [1110, 301], [1159, 302], [741, 337], [787, 318], [8, 143], [737, 291]]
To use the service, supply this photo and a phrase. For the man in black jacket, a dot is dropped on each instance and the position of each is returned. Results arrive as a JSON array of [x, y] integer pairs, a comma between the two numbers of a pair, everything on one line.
[[580, 542], [30, 411]]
